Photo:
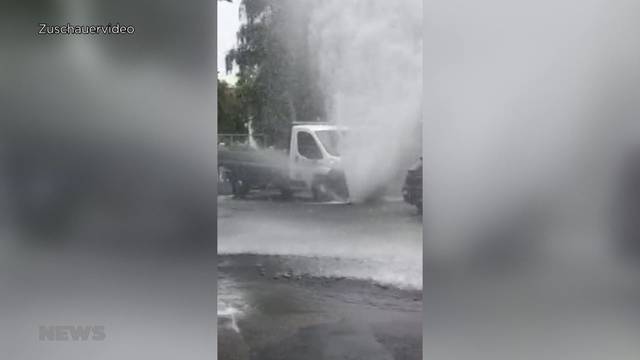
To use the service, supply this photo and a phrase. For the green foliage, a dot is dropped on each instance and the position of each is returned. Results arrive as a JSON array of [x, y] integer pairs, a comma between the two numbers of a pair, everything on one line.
[[277, 83], [230, 110]]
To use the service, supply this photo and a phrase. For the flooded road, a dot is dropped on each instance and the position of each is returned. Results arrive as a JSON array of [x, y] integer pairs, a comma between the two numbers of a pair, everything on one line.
[[305, 280], [381, 241]]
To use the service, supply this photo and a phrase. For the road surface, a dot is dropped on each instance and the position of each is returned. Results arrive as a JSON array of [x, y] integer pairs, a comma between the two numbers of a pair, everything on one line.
[[306, 280]]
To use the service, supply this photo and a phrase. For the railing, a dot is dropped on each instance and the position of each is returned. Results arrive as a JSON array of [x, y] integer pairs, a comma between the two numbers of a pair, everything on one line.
[[235, 139]]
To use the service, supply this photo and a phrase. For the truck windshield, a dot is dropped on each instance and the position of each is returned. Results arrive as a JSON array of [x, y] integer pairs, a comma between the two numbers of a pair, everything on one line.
[[330, 139]]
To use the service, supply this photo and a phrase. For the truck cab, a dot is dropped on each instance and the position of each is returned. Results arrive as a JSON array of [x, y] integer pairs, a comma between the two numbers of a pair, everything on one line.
[[314, 158]]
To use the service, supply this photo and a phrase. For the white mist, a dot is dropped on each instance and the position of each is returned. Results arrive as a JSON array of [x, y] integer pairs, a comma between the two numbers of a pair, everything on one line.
[[370, 58]]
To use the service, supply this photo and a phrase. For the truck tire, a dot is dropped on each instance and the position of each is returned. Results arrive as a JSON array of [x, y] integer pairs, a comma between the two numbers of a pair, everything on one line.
[[319, 189], [337, 182], [286, 193], [240, 188], [332, 186], [225, 185]]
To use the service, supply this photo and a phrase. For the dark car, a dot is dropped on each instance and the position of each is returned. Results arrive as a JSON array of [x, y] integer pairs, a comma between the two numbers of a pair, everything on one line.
[[412, 189]]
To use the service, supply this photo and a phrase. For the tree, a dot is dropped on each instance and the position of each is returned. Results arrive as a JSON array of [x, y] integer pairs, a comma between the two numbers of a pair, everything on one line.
[[276, 74], [231, 115]]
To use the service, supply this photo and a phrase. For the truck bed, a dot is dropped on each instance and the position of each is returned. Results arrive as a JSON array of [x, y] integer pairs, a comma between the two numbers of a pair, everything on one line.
[[255, 167]]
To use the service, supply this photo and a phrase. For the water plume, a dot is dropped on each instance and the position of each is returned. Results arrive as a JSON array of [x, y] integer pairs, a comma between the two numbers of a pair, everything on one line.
[[369, 55]]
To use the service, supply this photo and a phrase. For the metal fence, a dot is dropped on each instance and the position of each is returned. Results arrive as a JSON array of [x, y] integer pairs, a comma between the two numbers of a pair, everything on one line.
[[236, 139]]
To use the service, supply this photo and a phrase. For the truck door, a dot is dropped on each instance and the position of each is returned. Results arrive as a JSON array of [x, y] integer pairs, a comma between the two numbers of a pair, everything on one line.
[[305, 156]]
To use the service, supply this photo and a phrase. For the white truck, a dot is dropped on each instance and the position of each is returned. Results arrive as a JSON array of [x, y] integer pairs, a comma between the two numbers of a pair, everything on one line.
[[312, 163]]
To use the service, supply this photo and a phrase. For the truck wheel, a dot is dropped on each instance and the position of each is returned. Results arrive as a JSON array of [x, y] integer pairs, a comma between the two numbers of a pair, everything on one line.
[[337, 182], [240, 188], [286, 193], [319, 190], [225, 185]]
